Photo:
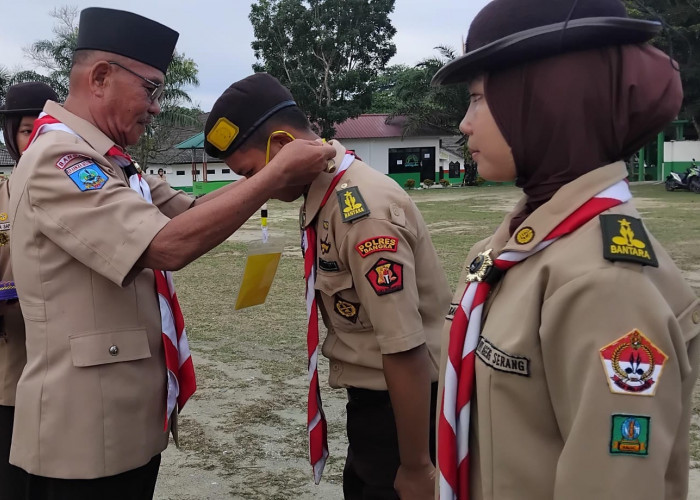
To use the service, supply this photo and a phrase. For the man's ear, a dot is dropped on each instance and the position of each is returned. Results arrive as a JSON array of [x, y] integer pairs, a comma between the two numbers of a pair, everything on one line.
[[100, 74]]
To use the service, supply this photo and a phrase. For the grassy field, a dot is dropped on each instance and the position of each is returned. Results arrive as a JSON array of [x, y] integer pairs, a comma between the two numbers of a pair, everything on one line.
[[243, 433]]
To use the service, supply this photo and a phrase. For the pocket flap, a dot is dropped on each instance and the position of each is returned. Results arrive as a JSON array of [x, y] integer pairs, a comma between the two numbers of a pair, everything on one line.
[[331, 283], [101, 348]]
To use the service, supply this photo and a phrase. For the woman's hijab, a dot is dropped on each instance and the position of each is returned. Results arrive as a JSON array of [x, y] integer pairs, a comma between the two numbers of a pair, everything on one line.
[[567, 115]]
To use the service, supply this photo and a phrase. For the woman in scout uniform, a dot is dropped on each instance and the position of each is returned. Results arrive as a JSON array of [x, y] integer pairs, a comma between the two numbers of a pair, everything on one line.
[[372, 270], [23, 104], [572, 351]]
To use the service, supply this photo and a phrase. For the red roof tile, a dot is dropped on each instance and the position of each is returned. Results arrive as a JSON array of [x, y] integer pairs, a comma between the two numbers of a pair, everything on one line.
[[370, 126]]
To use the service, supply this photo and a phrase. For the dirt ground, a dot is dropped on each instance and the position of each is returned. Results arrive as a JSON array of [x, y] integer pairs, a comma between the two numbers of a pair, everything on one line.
[[243, 432]]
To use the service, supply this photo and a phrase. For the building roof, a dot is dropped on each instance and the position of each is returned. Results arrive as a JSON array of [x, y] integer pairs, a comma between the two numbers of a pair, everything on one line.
[[375, 126], [196, 142]]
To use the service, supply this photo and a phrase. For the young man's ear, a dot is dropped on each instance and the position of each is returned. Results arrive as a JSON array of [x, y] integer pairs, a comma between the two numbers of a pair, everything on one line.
[[278, 142]]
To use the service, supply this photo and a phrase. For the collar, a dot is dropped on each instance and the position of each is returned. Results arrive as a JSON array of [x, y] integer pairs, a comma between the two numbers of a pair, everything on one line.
[[86, 130], [320, 185], [565, 201]]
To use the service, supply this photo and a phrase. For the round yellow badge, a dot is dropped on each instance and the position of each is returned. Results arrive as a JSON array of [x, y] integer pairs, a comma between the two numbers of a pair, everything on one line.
[[3, 216], [525, 235]]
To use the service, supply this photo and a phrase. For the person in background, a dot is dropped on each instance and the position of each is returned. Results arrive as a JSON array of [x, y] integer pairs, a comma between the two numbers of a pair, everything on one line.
[[23, 103]]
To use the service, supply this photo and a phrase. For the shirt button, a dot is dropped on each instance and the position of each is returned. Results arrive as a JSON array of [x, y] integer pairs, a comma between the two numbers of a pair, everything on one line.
[[114, 350], [335, 367], [696, 317], [343, 185]]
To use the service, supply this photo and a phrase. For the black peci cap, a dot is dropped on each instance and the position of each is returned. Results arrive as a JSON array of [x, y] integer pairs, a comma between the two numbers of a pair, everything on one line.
[[510, 32], [241, 110], [128, 35], [28, 97]]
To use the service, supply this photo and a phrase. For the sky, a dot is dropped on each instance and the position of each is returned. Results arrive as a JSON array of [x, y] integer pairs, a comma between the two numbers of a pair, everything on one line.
[[217, 33]]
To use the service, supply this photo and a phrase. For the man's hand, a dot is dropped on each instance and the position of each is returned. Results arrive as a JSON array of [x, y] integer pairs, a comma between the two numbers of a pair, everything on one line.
[[415, 483], [299, 162]]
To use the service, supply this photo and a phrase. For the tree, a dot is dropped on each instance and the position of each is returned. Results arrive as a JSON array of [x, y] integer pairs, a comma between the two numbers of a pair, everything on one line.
[[327, 52], [681, 39], [406, 91]]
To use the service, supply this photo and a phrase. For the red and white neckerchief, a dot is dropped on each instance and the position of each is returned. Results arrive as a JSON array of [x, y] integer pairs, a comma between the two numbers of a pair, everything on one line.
[[453, 425], [178, 360], [316, 419]]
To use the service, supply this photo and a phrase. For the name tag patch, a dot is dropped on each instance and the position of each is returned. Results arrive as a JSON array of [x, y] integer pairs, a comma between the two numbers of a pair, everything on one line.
[[377, 244], [328, 265], [87, 175], [502, 361]]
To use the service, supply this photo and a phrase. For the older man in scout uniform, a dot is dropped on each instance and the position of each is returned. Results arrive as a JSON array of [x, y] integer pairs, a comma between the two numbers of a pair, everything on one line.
[[371, 265], [107, 356]]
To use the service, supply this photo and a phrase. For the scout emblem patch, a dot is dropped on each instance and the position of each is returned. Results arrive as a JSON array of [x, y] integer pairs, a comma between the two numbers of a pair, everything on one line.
[[386, 277], [629, 435], [633, 364], [451, 313], [352, 204], [625, 239], [4, 238], [346, 309], [525, 235], [325, 245], [87, 175], [502, 361], [222, 134], [325, 225], [377, 244]]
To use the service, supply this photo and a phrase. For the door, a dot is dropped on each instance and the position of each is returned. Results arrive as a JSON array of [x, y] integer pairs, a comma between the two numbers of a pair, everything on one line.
[[427, 163]]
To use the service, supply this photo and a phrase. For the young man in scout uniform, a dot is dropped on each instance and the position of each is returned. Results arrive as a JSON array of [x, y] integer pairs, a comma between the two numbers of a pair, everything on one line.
[[380, 287], [107, 357]]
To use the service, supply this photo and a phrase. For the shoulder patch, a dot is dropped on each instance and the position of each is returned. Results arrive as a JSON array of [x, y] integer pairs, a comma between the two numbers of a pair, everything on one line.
[[87, 175], [633, 364], [629, 434], [352, 204], [624, 239], [385, 277], [377, 244], [503, 362], [64, 160], [346, 309]]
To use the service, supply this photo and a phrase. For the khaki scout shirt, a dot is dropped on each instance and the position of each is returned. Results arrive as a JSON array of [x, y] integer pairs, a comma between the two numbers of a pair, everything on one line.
[[91, 400], [381, 286], [547, 420], [13, 354]]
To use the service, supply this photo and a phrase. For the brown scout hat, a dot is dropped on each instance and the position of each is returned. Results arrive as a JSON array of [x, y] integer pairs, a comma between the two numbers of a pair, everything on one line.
[[241, 110], [508, 32], [27, 98]]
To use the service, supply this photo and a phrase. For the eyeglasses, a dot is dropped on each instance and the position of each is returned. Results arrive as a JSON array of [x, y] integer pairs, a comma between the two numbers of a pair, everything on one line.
[[153, 95]]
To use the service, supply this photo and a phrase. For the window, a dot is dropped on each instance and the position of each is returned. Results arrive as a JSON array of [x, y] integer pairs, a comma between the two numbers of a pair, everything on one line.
[[152, 172], [198, 172], [211, 172], [180, 172], [404, 160], [225, 170]]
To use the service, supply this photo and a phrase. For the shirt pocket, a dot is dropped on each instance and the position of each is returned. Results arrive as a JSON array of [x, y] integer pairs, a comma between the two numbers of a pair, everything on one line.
[[102, 348], [341, 302]]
